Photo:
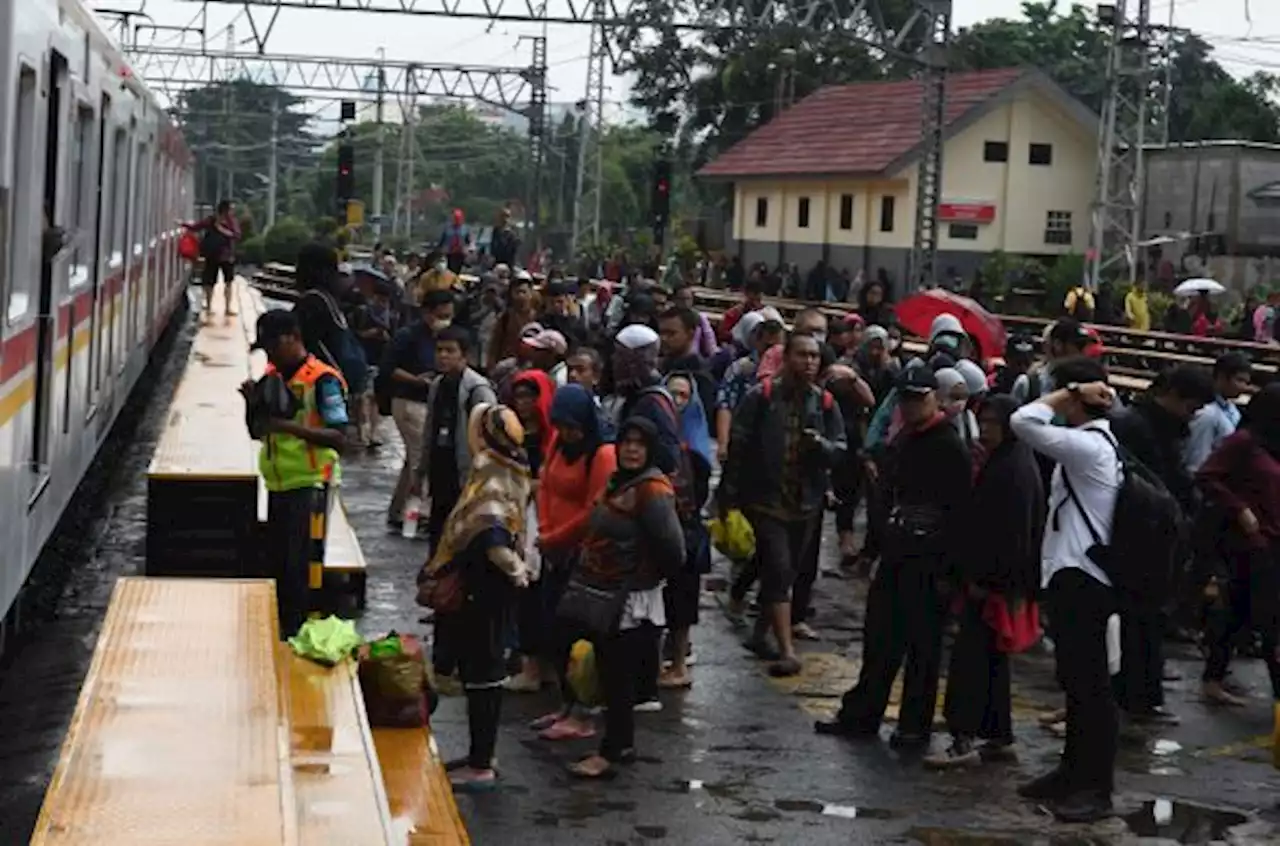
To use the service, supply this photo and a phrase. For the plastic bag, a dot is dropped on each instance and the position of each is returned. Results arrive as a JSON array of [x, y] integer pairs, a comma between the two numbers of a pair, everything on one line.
[[583, 677], [532, 555], [189, 245], [325, 641], [733, 536], [393, 679]]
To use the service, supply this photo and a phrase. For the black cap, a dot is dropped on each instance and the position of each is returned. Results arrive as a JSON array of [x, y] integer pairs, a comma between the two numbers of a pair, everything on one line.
[[272, 325], [917, 380]]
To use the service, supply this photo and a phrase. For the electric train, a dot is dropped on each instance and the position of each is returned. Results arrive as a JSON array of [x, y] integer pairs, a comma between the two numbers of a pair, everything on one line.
[[94, 178]]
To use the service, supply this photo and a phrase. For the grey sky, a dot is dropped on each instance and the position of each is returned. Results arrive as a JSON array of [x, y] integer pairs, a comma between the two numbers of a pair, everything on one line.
[[1242, 46]]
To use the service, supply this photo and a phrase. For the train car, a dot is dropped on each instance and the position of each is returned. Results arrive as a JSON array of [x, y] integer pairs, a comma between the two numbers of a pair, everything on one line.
[[93, 179]]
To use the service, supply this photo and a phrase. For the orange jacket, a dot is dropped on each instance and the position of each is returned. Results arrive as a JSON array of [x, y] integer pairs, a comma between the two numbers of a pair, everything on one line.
[[566, 495]]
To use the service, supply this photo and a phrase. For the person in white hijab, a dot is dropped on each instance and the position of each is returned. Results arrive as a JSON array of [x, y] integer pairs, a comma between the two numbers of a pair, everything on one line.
[[953, 397]]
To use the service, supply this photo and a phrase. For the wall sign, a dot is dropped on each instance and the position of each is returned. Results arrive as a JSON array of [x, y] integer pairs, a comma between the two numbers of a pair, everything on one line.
[[966, 212]]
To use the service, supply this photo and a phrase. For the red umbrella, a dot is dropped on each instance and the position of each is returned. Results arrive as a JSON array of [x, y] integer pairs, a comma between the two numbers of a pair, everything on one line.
[[917, 313]]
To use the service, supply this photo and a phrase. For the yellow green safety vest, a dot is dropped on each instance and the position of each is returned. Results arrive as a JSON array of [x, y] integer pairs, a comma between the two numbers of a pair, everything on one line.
[[288, 463]]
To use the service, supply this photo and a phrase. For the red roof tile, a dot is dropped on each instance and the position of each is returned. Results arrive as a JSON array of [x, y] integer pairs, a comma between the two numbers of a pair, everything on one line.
[[852, 129]]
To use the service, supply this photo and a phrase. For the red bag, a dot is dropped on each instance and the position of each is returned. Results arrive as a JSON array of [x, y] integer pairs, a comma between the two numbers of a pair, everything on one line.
[[189, 245]]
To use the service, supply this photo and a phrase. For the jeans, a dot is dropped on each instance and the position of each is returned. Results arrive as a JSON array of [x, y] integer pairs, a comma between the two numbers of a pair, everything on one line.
[[1079, 606]]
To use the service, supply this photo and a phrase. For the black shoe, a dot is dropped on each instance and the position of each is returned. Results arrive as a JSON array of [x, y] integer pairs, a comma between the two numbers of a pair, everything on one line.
[[1086, 806], [395, 526], [908, 741], [1051, 785], [762, 649], [839, 728]]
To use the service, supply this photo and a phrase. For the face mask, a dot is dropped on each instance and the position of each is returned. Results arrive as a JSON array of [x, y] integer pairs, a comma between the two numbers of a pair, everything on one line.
[[439, 325]]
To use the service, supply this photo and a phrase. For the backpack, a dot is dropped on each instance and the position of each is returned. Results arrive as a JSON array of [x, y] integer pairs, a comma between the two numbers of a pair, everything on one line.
[[682, 480], [1146, 527]]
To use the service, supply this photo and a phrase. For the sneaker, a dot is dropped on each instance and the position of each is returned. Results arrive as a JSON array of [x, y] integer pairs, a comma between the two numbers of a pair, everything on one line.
[[650, 706], [961, 753]]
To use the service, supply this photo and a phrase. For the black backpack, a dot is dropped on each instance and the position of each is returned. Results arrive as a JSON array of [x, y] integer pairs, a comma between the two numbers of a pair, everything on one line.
[[1146, 528]]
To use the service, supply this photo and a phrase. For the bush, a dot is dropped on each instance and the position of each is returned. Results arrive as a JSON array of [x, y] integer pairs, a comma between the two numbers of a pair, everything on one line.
[[253, 250], [283, 241]]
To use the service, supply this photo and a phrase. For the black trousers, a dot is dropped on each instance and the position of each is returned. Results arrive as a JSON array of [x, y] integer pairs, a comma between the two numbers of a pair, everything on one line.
[[476, 632], [780, 550], [1080, 606], [1251, 601], [291, 550], [846, 484], [620, 658], [1139, 686], [979, 702], [807, 572], [904, 618], [209, 272]]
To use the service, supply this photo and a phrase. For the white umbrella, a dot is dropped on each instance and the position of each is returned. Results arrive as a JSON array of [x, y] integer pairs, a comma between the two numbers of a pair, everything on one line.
[[1198, 286]]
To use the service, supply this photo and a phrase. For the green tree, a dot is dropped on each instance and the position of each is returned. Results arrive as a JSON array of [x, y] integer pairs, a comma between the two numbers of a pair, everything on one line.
[[228, 127], [1071, 47]]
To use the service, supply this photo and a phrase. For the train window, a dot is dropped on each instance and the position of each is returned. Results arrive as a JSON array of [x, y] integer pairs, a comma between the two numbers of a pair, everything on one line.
[[100, 230], [22, 260], [80, 218]]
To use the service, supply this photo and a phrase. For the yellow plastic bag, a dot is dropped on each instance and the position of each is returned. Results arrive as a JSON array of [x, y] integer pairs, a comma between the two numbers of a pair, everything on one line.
[[583, 677], [733, 536]]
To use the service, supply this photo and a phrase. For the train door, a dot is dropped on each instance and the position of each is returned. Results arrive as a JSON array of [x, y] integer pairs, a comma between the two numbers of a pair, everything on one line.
[[80, 218], [52, 266], [129, 248]]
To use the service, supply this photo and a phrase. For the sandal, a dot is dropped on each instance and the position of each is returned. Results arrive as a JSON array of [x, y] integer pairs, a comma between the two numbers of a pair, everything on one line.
[[546, 721], [579, 769]]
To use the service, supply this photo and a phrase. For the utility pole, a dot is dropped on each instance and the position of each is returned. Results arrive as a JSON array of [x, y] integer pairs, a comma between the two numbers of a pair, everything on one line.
[[411, 146], [273, 166], [923, 272], [587, 196], [1116, 226], [537, 115], [378, 153], [227, 109]]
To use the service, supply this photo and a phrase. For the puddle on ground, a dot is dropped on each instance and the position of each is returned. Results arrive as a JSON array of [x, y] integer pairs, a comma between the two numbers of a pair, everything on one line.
[[1164, 748], [848, 812], [1182, 822]]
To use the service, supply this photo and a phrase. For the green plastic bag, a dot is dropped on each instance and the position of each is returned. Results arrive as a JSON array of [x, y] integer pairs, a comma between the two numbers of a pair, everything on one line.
[[583, 676], [733, 536], [326, 641]]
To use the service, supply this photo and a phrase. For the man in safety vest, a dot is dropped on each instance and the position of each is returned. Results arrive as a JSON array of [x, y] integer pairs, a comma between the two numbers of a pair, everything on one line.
[[302, 430]]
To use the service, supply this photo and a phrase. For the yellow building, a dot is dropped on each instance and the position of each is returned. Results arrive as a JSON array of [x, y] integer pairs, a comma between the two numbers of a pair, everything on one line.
[[834, 177]]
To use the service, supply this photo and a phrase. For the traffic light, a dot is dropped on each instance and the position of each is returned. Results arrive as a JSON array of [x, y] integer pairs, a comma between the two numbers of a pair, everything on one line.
[[660, 203], [346, 173]]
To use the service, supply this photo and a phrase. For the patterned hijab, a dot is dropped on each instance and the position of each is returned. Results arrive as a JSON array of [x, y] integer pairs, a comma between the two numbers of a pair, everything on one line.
[[494, 499]]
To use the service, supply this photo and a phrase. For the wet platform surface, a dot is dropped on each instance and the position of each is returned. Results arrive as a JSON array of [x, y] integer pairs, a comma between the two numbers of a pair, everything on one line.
[[734, 760]]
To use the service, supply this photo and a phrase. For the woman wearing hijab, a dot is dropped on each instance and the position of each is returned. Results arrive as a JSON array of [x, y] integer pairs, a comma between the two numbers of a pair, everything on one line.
[[1242, 477], [953, 395], [634, 542], [682, 592], [575, 474], [532, 393], [480, 552], [998, 575]]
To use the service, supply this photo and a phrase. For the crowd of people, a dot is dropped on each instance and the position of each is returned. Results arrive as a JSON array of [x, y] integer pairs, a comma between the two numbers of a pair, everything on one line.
[[566, 442]]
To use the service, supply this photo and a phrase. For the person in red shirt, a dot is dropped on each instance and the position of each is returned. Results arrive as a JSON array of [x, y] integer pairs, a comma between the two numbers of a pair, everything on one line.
[[1241, 478], [576, 471], [752, 300]]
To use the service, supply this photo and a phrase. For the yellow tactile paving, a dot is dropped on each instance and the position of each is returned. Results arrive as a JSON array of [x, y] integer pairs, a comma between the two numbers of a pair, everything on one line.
[[337, 784], [205, 435], [177, 737], [423, 810]]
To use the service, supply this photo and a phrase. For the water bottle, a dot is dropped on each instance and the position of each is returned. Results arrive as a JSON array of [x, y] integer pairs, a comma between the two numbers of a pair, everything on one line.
[[412, 511]]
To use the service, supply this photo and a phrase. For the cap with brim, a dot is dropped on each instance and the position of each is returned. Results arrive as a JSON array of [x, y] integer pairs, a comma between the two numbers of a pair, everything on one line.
[[917, 381], [272, 325]]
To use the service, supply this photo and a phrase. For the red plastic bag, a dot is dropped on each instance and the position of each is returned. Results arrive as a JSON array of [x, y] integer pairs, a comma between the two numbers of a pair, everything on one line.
[[189, 245]]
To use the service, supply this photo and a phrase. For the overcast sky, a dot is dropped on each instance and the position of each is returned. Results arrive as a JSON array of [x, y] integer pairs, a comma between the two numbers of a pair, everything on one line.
[[1243, 46]]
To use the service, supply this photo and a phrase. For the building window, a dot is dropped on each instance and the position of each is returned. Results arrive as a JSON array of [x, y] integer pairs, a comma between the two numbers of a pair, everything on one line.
[[1041, 154], [762, 211], [803, 213], [846, 211], [963, 231], [886, 214], [1057, 228], [995, 151]]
